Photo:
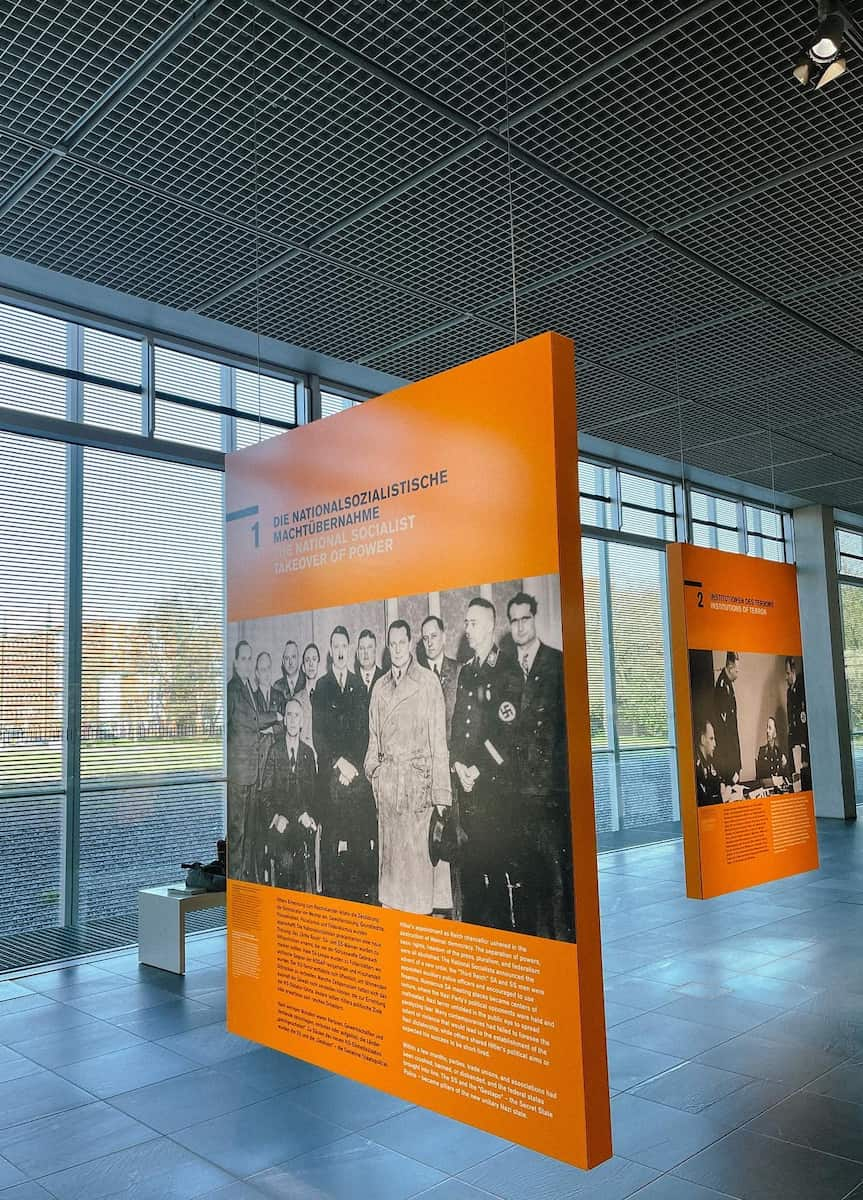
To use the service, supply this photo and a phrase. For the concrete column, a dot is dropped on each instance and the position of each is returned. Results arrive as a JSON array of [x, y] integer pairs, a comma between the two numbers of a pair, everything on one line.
[[824, 663]]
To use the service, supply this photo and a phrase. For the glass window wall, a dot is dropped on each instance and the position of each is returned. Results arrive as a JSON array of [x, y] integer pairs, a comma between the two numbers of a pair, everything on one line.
[[629, 683], [631, 699], [333, 402], [152, 675], [849, 554], [740, 527], [33, 483], [262, 396], [138, 539]]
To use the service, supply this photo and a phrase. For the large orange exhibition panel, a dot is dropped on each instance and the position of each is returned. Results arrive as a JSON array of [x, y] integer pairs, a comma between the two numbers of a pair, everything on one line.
[[746, 801], [412, 898]]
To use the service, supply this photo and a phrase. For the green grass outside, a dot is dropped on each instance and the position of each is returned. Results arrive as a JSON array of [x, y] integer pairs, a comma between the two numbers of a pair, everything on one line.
[[36, 764], [107, 759]]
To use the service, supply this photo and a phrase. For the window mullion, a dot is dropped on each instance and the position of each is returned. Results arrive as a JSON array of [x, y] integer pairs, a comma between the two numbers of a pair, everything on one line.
[[228, 398], [74, 593], [148, 389]]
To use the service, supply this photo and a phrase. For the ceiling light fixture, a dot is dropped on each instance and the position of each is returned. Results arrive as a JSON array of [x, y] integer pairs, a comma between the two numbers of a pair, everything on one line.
[[822, 57]]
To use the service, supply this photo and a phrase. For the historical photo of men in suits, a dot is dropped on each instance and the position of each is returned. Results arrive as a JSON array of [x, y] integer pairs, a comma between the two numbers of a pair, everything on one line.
[[749, 717], [306, 694], [292, 679], [270, 737], [349, 835], [249, 737], [413, 755], [543, 849], [407, 763], [288, 834], [367, 662], [438, 661]]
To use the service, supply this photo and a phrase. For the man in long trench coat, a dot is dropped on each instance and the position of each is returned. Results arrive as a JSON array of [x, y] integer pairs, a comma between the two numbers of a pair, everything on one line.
[[408, 766]]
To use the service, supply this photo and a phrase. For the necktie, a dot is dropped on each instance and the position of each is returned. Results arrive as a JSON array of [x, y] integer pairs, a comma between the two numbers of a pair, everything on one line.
[[341, 681], [311, 693], [437, 669], [525, 664], [293, 759]]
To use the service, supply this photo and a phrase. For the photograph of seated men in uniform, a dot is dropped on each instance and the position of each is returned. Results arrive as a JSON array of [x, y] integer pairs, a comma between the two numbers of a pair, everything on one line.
[[771, 765], [751, 733], [414, 756], [709, 788], [289, 837]]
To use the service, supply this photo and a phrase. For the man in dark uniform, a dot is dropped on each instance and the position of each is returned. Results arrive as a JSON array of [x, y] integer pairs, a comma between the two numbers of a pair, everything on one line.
[[727, 758], [368, 671], [798, 728], [268, 705], [290, 834], [708, 785], [446, 669], [482, 753], [543, 836], [245, 724], [340, 710], [771, 765]]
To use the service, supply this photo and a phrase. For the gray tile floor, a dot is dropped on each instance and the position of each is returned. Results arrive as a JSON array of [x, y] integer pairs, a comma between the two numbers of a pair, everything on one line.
[[735, 1049]]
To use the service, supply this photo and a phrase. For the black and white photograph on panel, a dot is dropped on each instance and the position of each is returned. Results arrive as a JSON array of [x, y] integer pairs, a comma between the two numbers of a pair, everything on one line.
[[410, 753], [750, 725]]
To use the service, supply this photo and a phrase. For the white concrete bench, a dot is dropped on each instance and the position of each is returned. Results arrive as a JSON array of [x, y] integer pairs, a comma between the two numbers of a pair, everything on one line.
[[162, 924]]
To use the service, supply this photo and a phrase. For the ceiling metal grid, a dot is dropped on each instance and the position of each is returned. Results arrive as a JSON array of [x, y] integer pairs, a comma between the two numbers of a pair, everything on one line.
[[786, 449], [456, 51], [450, 234], [15, 160], [110, 233], [441, 350], [798, 475], [305, 301], [706, 424], [594, 305], [796, 465], [840, 432], [252, 119], [57, 58], [603, 395], [746, 452], [705, 114], [718, 358], [657, 432], [848, 495], [828, 387], [785, 238], [688, 426], [664, 220], [837, 306], [783, 475]]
